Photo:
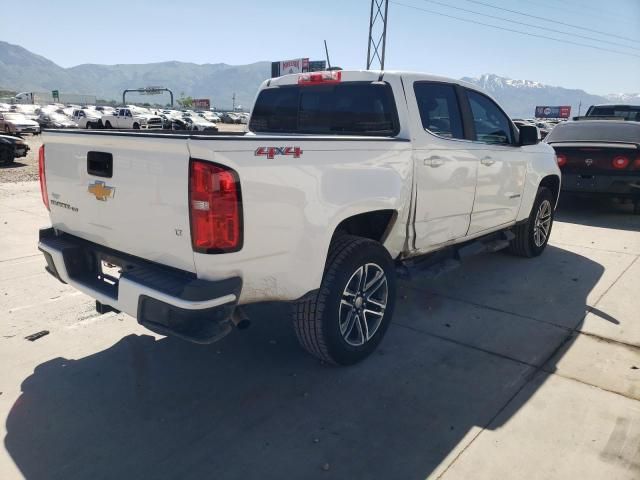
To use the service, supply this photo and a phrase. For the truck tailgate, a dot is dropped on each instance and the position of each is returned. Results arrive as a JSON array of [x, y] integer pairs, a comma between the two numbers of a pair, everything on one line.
[[122, 192]]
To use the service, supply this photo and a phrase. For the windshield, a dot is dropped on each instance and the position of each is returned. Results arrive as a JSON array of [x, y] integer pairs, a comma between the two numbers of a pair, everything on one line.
[[352, 108], [595, 131]]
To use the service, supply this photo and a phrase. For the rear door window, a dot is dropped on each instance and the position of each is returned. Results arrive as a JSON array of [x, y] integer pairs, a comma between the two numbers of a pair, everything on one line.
[[439, 109], [350, 108], [491, 124]]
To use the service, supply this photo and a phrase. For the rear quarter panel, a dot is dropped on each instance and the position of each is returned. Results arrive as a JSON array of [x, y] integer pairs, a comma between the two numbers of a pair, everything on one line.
[[292, 206]]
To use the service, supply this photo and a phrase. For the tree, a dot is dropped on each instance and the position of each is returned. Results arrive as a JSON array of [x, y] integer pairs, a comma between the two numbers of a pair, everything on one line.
[[185, 102]]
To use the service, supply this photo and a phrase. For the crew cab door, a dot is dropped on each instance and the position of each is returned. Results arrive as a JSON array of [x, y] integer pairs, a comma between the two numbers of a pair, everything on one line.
[[501, 164], [445, 169]]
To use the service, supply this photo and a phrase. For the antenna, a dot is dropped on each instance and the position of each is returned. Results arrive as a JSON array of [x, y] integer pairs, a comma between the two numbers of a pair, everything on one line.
[[374, 22], [326, 50]]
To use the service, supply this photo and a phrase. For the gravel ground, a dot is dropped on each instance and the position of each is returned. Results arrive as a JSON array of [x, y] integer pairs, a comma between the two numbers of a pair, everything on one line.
[[26, 168]]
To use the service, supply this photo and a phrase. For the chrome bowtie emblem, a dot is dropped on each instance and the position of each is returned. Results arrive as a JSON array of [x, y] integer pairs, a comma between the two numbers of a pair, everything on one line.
[[589, 162]]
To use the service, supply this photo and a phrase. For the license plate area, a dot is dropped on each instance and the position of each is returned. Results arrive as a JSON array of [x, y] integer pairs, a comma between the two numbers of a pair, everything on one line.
[[109, 272], [586, 181]]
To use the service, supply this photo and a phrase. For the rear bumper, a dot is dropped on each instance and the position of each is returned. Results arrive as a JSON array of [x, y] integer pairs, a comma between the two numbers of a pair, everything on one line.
[[163, 299], [624, 185]]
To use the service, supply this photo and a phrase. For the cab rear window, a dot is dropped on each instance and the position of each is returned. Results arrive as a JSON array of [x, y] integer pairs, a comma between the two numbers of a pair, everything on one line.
[[351, 108]]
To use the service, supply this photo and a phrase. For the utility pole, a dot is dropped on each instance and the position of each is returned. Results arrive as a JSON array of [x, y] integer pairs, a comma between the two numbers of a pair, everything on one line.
[[233, 109], [579, 107], [377, 33], [326, 50]]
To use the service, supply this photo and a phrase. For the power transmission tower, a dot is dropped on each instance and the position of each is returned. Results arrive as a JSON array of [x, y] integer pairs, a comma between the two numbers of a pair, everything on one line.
[[377, 33]]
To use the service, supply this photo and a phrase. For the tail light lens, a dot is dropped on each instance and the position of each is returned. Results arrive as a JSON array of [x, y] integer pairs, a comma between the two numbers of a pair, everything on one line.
[[636, 164], [315, 78], [215, 206], [43, 178], [620, 162], [561, 158]]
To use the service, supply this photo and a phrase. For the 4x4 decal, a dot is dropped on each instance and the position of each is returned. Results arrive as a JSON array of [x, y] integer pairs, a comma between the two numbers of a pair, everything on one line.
[[271, 152]]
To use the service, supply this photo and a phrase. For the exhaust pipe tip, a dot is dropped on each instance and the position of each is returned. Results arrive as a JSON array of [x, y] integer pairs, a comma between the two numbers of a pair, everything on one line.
[[240, 319]]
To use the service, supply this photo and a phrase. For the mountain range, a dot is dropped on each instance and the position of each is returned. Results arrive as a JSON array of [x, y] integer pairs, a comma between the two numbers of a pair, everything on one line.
[[22, 70]]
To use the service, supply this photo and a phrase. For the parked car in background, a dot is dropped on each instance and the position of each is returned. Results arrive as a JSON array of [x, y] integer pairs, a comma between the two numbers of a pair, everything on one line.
[[230, 117], [132, 118], [544, 129], [11, 148], [599, 157], [105, 110], [626, 112], [210, 117], [55, 120], [12, 122], [199, 124], [86, 118]]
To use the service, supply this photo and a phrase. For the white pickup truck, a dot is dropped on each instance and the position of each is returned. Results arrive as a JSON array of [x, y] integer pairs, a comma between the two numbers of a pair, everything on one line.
[[130, 118], [344, 179]]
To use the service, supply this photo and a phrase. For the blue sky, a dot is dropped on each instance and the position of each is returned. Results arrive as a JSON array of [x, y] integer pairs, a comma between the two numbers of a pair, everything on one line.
[[72, 32]]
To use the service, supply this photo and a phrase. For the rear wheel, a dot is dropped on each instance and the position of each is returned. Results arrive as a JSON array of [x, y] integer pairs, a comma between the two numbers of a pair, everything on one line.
[[107, 124], [532, 237], [346, 319]]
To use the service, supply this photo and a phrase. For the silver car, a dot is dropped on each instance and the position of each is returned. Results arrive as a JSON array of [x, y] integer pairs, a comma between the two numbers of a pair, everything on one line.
[[11, 122]]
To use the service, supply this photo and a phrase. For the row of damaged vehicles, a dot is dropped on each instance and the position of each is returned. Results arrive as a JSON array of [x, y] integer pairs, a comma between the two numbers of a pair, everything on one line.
[[31, 119]]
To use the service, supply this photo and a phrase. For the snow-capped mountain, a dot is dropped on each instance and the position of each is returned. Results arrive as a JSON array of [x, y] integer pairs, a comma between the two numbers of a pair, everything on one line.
[[633, 98], [520, 97]]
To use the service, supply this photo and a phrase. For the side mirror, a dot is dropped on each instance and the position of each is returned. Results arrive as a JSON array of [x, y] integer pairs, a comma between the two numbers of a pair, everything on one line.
[[529, 135]]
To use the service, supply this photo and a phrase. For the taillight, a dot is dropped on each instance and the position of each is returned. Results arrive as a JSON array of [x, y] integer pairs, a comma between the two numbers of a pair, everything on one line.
[[215, 206], [636, 164], [43, 178], [315, 78], [561, 158], [620, 162]]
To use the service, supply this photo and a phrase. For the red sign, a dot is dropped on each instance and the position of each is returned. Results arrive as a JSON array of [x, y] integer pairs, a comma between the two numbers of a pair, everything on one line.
[[201, 103], [563, 111]]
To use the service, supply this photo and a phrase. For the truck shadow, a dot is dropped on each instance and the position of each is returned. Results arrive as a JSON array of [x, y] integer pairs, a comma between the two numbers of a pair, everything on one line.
[[14, 164], [255, 406], [597, 211]]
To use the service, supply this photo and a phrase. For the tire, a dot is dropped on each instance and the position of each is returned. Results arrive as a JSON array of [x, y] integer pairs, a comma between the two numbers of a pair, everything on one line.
[[89, 125], [532, 237], [7, 129], [6, 157], [107, 124], [136, 126], [333, 330]]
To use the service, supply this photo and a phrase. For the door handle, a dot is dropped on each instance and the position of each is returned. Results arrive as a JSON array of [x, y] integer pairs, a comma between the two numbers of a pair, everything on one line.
[[434, 162], [487, 161]]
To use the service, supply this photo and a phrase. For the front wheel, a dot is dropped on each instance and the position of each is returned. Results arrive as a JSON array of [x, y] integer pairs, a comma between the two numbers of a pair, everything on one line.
[[532, 237], [345, 320]]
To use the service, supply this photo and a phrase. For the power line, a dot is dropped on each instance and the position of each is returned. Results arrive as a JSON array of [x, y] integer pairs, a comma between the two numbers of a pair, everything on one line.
[[565, 7], [552, 21], [561, 40], [529, 24]]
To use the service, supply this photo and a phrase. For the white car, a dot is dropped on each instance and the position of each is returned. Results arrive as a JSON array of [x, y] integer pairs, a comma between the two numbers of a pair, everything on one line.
[[210, 117], [198, 124], [343, 178], [12, 122], [86, 118], [129, 117]]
